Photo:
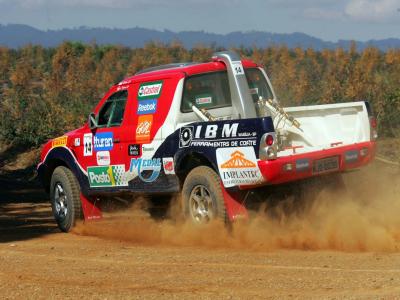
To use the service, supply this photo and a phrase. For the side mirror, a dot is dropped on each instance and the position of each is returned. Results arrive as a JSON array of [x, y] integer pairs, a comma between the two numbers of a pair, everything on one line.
[[92, 122]]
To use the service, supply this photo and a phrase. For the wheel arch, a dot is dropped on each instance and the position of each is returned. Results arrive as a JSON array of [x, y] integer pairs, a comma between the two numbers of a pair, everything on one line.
[[51, 165], [189, 161], [55, 158]]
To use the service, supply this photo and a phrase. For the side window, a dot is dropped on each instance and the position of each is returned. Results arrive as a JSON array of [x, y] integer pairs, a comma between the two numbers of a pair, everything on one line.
[[209, 90], [112, 112], [258, 85]]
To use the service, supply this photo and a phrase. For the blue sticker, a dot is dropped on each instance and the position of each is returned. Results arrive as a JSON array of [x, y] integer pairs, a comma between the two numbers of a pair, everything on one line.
[[147, 107], [351, 156], [103, 141], [138, 165], [302, 164]]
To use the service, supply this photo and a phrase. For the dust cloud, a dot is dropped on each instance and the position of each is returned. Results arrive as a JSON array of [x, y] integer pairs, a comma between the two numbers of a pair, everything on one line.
[[363, 216]]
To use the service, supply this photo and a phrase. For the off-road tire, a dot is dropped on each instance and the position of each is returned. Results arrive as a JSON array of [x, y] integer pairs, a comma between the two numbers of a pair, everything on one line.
[[70, 211], [198, 178]]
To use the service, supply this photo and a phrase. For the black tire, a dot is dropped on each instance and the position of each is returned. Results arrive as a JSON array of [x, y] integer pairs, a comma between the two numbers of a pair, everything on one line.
[[203, 183], [65, 199]]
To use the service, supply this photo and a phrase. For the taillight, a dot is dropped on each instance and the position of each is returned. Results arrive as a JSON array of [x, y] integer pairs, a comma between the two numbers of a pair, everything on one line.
[[268, 148], [373, 125], [372, 121], [373, 128], [269, 140]]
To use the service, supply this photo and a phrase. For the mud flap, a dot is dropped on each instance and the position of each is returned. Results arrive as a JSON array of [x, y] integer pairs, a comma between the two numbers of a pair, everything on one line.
[[234, 206], [91, 208]]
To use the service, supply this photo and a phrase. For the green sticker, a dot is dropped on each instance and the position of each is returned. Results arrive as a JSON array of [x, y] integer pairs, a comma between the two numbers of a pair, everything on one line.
[[107, 176], [150, 90]]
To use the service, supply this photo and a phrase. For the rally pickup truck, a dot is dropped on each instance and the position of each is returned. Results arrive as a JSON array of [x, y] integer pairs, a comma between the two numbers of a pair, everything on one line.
[[206, 130]]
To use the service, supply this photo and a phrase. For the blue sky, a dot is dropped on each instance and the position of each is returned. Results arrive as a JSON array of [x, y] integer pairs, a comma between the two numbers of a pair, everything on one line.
[[326, 19]]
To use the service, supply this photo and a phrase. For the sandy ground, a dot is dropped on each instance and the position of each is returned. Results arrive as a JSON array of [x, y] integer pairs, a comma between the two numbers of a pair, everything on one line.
[[339, 245]]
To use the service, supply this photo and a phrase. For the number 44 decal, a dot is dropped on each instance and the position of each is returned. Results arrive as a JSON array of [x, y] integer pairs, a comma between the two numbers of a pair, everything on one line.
[[237, 68]]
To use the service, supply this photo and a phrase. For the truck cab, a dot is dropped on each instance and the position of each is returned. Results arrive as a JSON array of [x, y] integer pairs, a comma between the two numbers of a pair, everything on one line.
[[205, 130]]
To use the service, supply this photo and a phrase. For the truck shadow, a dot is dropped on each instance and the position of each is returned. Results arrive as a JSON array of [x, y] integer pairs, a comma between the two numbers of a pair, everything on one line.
[[25, 211]]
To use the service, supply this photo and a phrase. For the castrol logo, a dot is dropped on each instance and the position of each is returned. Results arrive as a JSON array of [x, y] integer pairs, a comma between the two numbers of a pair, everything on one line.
[[152, 89]]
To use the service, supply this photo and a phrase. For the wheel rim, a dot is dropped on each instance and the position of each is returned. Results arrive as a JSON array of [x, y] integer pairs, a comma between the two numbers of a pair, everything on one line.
[[201, 204], [60, 201]]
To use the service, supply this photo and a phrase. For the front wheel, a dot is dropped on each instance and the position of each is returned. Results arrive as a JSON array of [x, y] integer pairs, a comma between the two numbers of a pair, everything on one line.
[[202, 196], [65, 199]]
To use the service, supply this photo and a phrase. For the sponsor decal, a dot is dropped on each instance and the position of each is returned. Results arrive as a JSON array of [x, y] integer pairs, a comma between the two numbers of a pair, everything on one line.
[[147, 107], [238, 166], [302, 164], [103, 141], [237, 68], [147, 169], [254, 91], [351, 156], [147, 149], [143, 128], [77, 142], [121, 88], [185, 136], [103, 158], [59, 142], [125, 81], [108, 176], [87, 144], [150, 90], [214, 135], [134, 150], [203, 100], [168, 164]]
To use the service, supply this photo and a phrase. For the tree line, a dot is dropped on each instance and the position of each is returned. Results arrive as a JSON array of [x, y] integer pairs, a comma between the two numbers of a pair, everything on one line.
[[47, 91]]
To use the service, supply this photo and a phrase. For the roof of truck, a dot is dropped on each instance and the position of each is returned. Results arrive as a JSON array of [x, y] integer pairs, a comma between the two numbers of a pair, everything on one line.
[[189, 69]]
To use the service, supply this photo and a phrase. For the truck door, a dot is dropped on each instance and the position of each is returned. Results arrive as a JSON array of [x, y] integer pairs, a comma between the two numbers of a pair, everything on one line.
[[105, 149], [153, 119]]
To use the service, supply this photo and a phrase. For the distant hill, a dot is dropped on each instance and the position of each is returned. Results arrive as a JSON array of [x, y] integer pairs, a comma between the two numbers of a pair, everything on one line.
[[16, 35]]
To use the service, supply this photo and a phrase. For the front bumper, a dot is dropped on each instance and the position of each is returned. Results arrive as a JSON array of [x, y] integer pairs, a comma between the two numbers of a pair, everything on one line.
[[300, 166]]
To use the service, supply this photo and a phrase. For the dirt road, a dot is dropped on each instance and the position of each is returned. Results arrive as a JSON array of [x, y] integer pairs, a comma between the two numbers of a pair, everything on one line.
[[340, 246]]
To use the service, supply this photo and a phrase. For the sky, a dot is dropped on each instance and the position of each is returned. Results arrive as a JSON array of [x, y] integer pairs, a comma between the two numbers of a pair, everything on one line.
[[327, 19]]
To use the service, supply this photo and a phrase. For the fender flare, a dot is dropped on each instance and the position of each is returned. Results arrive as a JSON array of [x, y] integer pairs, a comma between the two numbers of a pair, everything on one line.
[[181, 156], [61, 156]]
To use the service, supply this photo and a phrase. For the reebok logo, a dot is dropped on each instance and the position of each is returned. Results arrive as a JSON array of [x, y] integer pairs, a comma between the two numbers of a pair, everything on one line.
[[147, 107]]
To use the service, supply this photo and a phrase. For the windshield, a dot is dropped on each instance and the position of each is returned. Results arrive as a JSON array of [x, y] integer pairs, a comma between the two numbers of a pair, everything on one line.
[[259, 90]]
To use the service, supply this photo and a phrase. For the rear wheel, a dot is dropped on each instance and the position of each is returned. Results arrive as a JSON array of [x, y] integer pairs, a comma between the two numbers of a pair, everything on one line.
[[65, 199], [202, 196]]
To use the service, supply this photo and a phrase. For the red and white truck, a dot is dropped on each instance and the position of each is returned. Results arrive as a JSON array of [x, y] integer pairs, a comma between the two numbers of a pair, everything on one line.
[[205, 130]]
